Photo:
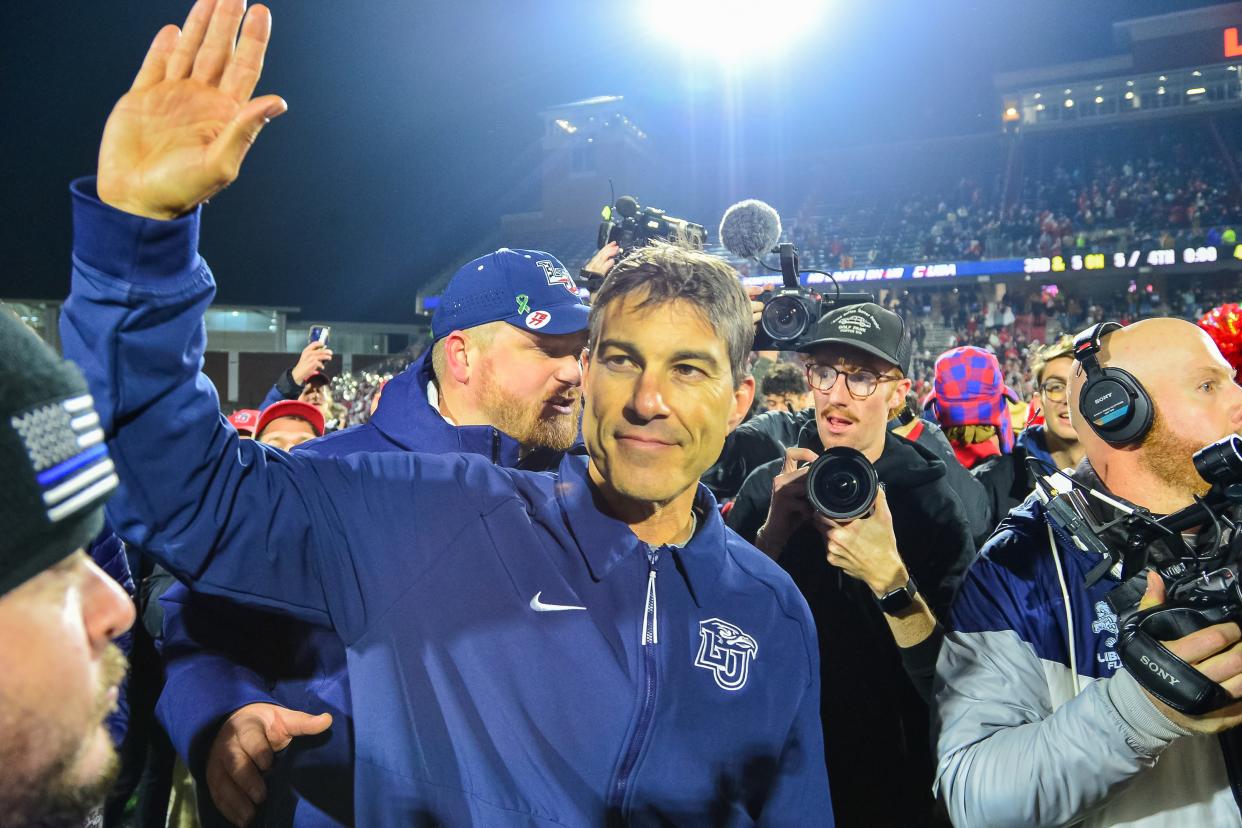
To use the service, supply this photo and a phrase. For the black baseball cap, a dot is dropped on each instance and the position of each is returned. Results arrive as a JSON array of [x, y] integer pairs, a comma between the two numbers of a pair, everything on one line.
[[54, 465], [867, 327]]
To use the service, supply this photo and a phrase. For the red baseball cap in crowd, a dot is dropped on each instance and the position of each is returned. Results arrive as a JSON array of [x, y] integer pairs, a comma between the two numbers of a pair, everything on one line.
[[291, 408], [244, 419]]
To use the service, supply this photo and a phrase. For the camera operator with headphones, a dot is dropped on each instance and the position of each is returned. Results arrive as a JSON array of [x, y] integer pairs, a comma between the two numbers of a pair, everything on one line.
[[1037, 721], [873, 583]]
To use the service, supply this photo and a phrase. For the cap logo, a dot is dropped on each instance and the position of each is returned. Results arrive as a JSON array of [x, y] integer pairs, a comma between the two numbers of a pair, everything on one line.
[[557, 275], [66, 449], [857, 323], [523, 302], [537, 319]]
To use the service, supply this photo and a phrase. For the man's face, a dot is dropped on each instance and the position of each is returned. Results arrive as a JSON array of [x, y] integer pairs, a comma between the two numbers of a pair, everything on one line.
[[287, 432], [1054, 399], [318, 394], [60, 681], [842, 417], [786, 402], [1196, 400], [660, 399], [532, 386], [1190, 412]]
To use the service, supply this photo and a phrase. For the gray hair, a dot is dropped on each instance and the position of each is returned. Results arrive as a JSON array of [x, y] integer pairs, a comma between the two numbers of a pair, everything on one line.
[[668, 272]]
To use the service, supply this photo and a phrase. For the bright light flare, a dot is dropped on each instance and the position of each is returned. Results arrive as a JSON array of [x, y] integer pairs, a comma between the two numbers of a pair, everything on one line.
[[732, 30]]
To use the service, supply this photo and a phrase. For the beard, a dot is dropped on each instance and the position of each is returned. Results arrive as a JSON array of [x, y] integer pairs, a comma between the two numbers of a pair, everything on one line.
[[524, 421], [51, 796], [1169, 455]]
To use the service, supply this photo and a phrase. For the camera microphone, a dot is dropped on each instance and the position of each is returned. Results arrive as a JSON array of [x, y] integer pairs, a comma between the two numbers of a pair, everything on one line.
[[627, 206], [750, 229]]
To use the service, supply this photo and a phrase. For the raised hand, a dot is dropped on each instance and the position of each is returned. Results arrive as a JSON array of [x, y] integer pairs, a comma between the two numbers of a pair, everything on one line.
[[180, 133], [314, 357]]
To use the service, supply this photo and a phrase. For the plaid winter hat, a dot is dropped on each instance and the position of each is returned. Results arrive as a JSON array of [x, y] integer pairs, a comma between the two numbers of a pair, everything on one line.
[[54, 465], [970, 390]]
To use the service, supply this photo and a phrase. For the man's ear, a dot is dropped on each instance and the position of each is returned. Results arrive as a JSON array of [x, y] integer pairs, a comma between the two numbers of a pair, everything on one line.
[[457, 357], [584, 365], [743, 397]]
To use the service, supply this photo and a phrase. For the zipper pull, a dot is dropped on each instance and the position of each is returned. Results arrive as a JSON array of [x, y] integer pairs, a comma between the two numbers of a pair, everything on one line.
[[651, 619]]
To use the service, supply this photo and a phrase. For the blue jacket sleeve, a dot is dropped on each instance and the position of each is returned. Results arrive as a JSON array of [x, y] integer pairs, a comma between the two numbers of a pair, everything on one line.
[[310, 537], [203, 685]]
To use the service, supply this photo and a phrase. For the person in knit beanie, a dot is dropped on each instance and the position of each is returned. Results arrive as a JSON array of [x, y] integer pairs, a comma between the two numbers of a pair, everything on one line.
[[59, 612]]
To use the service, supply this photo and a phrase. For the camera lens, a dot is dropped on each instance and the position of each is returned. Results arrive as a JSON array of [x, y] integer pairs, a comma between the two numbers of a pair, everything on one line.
[[842, 484], [785, 318], [1221, 462]]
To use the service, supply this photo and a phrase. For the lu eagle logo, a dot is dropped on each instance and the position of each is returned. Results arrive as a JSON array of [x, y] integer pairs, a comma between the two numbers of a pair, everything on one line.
[[726, 651]]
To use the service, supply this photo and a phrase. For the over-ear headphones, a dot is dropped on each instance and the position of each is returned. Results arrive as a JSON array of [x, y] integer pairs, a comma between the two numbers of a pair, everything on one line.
[[1112, 401]]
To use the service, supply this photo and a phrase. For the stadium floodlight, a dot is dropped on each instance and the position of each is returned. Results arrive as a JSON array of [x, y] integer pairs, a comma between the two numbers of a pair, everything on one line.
[[729, 30]]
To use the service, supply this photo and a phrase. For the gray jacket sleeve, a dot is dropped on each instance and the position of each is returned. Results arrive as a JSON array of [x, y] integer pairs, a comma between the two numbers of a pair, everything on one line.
[[1007, 755]]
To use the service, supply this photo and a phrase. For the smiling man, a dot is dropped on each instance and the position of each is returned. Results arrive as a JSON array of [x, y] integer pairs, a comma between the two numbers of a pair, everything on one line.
[[59, 612], [568, 648]]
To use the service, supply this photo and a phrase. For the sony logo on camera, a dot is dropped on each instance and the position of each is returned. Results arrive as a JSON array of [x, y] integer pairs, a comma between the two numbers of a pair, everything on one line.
[[1158, 670]]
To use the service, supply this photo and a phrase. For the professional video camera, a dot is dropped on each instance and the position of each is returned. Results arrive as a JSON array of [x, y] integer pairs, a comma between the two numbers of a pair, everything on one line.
[[630, 226], [751, 230], [1201, 585]]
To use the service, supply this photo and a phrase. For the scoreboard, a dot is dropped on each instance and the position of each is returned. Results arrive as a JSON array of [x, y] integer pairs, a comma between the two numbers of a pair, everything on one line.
[[1192, 259]]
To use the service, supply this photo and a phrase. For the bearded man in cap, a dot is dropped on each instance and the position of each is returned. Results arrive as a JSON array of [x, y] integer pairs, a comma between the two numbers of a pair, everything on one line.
[[876, 584], [500, 380], [59, 612]]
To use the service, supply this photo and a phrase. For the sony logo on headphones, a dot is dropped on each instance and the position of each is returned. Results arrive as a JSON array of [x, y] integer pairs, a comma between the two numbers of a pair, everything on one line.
[[1099, 400]]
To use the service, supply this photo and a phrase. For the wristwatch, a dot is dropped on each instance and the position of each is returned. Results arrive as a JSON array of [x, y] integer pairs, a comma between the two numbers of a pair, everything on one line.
[[899, 600]]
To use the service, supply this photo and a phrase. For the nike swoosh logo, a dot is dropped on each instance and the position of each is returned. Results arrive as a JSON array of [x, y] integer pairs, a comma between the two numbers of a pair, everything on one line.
[[540, 606]]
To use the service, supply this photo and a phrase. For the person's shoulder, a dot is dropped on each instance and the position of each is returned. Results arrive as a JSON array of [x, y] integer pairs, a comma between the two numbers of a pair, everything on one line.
[[359, 438], [470, 480], [1014, 560], [757, 571]]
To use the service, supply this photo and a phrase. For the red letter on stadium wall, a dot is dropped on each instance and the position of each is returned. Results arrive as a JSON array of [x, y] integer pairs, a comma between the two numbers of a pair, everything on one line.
[[1232, 48]]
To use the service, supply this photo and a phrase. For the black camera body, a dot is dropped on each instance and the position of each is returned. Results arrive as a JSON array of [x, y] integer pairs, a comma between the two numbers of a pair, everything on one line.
[[631, 226], [1201, 589], [790, 313], [842, 484]]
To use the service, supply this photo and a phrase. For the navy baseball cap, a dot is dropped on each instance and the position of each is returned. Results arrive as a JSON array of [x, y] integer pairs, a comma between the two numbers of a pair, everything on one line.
[[529, 289]]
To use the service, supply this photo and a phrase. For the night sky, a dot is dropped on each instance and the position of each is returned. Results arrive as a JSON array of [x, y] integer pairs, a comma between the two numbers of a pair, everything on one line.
[[413, 126]]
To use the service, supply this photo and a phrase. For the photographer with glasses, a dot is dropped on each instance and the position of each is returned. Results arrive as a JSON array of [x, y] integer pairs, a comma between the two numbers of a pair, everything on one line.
[[1055, 444], [874, 584]]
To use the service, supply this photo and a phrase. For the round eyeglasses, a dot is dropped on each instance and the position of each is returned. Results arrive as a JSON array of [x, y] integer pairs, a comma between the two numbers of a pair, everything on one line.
[[861, 383]]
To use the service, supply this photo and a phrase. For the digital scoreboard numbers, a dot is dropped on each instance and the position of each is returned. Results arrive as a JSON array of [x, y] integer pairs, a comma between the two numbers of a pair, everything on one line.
[[1123, 260]]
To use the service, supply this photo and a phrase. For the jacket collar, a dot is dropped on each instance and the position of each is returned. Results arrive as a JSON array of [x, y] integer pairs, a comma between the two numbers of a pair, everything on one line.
[[605, 541], [406, 417]]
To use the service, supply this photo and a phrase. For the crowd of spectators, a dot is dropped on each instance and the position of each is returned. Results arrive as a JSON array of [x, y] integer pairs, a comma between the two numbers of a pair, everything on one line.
[[1025, 318], [1057, 195]]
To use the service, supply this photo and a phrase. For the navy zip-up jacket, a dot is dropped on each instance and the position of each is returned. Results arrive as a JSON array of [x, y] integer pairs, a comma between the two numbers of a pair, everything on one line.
[[220, 657], [516, 657]]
